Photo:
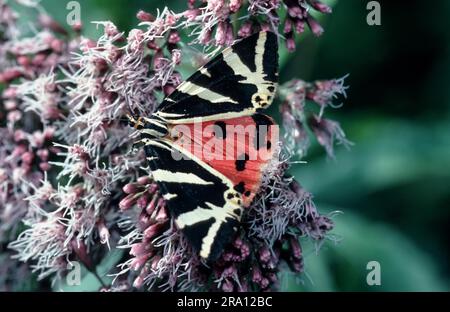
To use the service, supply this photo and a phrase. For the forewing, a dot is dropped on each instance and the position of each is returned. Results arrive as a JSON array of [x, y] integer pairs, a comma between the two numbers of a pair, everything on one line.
[[202, 200], [238, 82]]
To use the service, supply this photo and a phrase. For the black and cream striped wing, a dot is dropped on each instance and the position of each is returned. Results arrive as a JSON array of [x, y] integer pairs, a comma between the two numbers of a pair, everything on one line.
[[204, 203], [238, 82]]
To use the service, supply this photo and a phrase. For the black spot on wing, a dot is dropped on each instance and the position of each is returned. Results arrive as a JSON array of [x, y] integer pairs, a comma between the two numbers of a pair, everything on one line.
[[241, 161], [240, 187]]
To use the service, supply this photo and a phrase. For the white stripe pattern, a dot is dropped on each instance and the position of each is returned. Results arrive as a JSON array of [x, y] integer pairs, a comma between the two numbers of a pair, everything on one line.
[[204, 93], [169, 196], [256, 78], [220, 214], [178, 177]]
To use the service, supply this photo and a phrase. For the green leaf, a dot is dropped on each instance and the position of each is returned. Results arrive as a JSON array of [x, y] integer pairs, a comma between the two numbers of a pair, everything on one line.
[[404, 267], [385, 154]]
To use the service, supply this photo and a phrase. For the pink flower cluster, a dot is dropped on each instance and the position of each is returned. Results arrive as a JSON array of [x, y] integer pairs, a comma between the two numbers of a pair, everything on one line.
[[298, 117], [72, 189], [212, 20]]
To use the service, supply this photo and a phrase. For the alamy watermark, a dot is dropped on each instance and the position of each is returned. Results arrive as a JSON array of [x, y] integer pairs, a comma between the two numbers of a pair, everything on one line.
[[374, 16], [73, 277], [74, 15], [373, 277]]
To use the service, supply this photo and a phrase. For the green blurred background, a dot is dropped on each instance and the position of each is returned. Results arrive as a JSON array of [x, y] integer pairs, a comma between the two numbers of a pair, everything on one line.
[[393, 186]]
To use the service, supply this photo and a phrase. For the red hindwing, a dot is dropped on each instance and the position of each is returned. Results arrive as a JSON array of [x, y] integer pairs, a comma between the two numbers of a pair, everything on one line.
[[239, 148]]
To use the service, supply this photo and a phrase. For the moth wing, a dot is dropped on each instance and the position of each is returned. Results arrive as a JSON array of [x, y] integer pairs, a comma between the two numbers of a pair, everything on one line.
[[238, 82], [239, 148], [202, 200]]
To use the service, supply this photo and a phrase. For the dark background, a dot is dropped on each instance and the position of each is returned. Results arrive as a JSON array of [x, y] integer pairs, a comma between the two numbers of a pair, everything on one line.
[[393, 186]]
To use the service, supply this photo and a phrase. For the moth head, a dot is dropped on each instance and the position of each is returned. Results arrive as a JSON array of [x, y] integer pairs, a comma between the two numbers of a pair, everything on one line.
[[136, 123]]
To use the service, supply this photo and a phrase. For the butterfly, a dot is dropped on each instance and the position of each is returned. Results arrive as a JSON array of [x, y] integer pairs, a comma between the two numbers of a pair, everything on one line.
[[207, 195]]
